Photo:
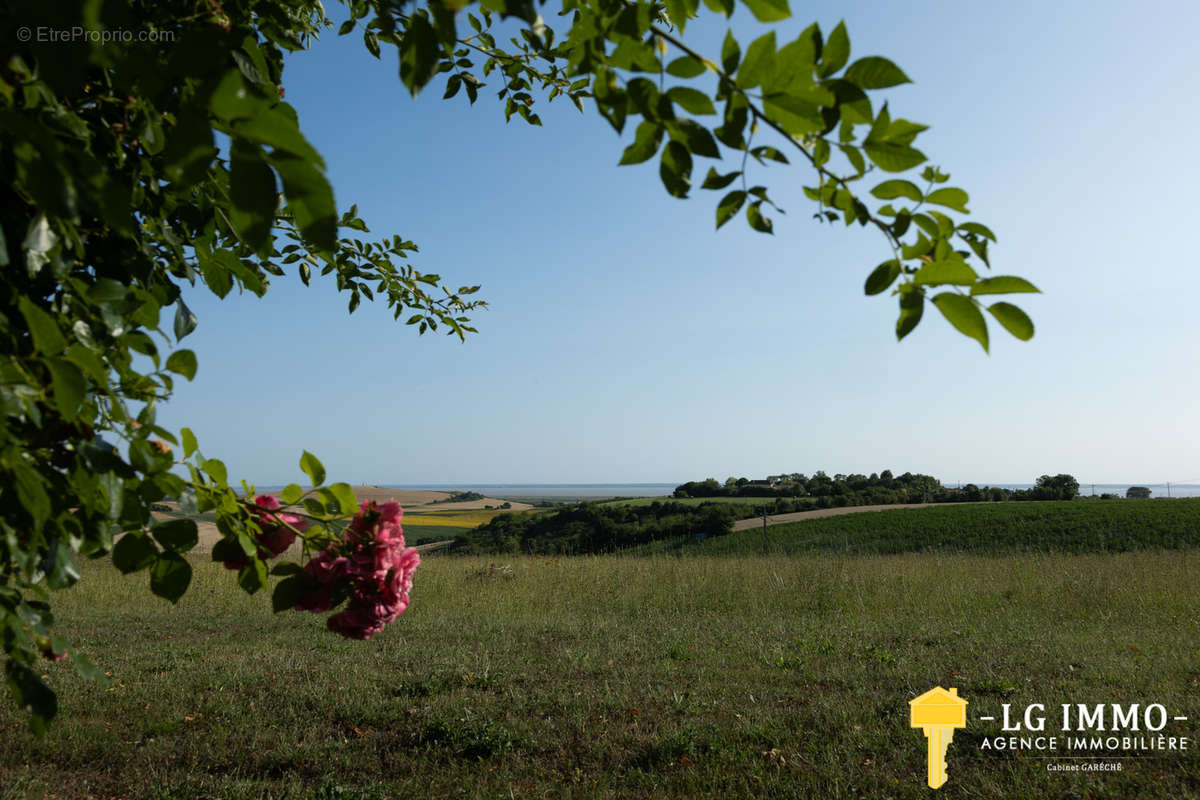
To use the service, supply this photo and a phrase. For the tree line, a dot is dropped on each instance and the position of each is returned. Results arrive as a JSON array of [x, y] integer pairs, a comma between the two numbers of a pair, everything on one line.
[[883, 488]]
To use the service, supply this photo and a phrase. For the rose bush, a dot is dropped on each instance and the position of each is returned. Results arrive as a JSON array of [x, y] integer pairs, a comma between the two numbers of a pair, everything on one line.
[[368, 564], [276, 533]]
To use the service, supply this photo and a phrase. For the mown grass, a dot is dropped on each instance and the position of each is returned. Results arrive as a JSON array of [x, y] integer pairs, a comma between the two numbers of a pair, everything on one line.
[[1075, 526], [615, 677]]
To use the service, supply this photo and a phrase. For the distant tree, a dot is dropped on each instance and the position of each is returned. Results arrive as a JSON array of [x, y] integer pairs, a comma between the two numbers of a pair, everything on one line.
[[1138, 492], [1059, 487]]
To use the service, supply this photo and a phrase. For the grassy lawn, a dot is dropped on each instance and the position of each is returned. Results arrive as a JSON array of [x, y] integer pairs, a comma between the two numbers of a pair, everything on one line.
[[605, 677]]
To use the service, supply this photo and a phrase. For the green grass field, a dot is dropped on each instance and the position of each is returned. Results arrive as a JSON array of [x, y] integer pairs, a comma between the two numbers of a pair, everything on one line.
[[615, 677], [1076, 526]]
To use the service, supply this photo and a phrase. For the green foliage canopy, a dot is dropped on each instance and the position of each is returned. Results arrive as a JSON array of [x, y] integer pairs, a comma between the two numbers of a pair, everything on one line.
[[117, 187]]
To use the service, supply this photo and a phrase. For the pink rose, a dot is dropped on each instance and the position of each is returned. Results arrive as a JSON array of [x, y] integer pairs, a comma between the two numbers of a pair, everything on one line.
[[372, 562], [274, 537]]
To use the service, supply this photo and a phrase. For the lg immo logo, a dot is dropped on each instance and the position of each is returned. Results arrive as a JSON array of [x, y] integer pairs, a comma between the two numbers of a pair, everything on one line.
[[938, 712], [1106, 732]]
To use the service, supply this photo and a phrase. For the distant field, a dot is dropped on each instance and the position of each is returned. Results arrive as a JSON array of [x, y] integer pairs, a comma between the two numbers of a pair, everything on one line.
[[454, 519], [419, 534], [614, 677], [428, 526], [1078, 526]]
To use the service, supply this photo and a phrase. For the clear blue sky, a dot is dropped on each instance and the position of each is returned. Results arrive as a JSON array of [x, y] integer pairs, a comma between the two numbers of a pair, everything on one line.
[[627, 340]]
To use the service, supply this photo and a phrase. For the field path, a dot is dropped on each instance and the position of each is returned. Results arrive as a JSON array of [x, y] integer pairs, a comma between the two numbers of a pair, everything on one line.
[[800, 516]]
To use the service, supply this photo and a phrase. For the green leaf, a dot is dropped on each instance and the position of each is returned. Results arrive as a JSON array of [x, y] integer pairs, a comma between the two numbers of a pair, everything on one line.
[[731, 53], [964, 314], [714, 180], [419, 53], [170, 576], [314, 506], [312, 468], [1014, 320], [91, 363], [253, 575], [47, 338], [86, 669], [287, 593], [720, 7], [882, 277], [854, 156], [729, 206], [793, 68], [680, 11], [768, 10], [190, 149], [279, 130], [69, 386], [774, 155], [291, 494], [949, 197], [133, 552], [31, 694], [216, 470], [912, 307], [757, 221], [695, 137], [310, 197], [889, 190], [796, 116], [976, 229], [645, 145], [686, 67], [185, 320], [371, 42], [179, 535], [759, 64], [691, 100], [836, 52], [951, 271], [189, 442], [891, 157], [675, 169], [347, 503], [226, 550], [253, 192], [182, 362], [1003, 284], [852, 102], [875, 72]]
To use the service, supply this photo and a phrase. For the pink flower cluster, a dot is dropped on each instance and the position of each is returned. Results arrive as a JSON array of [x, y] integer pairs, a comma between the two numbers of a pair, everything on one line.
[[275, 538], [373, 564]]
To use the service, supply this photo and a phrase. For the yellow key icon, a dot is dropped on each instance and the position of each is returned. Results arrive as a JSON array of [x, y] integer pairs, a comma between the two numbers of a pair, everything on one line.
[[938, 712]]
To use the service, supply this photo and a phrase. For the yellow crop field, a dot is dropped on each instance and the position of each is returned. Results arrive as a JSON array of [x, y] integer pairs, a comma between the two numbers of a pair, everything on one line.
[[453, 519]]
